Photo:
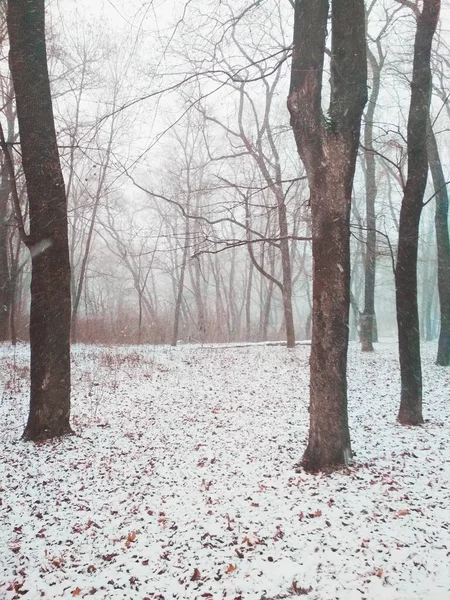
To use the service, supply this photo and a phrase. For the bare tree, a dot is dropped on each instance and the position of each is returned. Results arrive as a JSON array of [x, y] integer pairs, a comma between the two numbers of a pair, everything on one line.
[[47, 241], [328, 146], [368, 318], [443, 246], [410, 412]]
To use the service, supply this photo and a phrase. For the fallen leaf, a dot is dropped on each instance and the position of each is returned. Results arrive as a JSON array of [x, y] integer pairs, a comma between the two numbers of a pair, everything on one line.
[[300, 591], [196, 576], [76, 592], [231, 568], [130, 538]]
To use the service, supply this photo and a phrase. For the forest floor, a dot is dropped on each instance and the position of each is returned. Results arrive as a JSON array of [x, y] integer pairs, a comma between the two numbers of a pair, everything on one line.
[[180, 482]]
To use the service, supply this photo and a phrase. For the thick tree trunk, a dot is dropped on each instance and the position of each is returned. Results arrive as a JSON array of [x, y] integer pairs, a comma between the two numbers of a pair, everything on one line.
[[329, 438], [328, 148], [410, 412], [48, 241], [443, 247], [408, 316]]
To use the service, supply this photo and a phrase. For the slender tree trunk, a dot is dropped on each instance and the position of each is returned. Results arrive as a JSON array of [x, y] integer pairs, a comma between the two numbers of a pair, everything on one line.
[[180, 287], [15, 279], [48, 240], [443, 247], [265, 315], [410, 412], [5, 225], [328, 148], [248, 304], [428, 272], [368, 318], [78, 285], [5, 281], [286, 271]]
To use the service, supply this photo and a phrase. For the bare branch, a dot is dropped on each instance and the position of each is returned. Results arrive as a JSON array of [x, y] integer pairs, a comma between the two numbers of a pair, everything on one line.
[[15, 196]]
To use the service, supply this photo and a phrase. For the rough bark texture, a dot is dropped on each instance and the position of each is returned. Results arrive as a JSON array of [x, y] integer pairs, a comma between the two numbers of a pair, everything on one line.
[[443, 247], [328, 148], [410, 412], [50, 286]]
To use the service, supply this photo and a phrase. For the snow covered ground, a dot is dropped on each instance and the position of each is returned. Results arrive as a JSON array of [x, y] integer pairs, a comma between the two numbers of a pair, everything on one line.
[[181, 482]]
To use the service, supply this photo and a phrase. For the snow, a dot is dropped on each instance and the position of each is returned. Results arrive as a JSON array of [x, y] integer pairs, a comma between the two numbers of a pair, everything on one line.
[[181, 481]]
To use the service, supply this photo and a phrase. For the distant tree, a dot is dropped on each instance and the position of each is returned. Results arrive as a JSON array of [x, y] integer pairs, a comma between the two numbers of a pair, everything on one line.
[[5, 210], [47, 241], [443, 246], [406, 270], [368, 326], [5, 279], [328, 146]]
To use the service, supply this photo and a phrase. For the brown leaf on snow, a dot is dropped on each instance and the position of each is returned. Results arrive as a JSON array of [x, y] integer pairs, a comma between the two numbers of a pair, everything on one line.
[[379, 573], [402, 513], [196, 576], [231, 568], [15, 586], [109, 557], [279, 535], [130, 538], [300, 591], [76, 592]]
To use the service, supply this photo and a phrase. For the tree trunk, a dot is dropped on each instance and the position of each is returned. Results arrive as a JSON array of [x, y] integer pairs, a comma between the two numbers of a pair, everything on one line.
[[49, 414], [410, 412], [5, 193], [5, 284], [368, 319], [248, 304], [286, 270], [180, 287], [443, 247], [328, 148]]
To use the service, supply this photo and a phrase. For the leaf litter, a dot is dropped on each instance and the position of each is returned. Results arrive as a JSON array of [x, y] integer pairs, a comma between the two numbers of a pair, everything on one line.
[[181, 482]]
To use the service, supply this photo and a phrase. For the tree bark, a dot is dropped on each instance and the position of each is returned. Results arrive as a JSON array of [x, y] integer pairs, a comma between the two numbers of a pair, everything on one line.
[[248, 304], [180, 285], [5, 224], [5, 281], [328, 147], [49, 414], [443, 247], [368, 318], [410, 412]]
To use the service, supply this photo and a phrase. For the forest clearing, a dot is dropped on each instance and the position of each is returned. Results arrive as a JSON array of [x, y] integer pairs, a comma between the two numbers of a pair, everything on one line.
[[181, 482], [224, 299]]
